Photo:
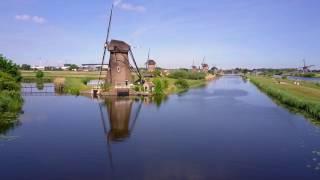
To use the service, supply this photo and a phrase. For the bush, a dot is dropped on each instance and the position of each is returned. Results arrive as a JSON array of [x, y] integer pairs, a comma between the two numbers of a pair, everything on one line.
[[85, 80], [39, 74], [182, 84], [158, 89], [10, 68], [165, 84], [137, 88], [309, 75], [183, 74], [9, 83]]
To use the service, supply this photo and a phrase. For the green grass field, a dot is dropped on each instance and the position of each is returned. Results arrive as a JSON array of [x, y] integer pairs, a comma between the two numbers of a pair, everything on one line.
[[65, 74], [305, 97]]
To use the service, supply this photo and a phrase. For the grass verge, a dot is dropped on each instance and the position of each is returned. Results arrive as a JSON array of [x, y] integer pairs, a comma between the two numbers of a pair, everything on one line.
[[304, 98]]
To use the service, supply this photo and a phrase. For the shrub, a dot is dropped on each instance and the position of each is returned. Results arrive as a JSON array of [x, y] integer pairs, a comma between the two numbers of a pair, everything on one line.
[[85, 80], [158, 89], [10, 68], [183, 74], [9, 83], [165, 84], [137, 88], [39, 74], [182, 84]]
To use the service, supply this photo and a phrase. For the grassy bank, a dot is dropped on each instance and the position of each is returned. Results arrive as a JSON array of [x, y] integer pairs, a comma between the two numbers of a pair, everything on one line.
[[75, 85], [51, 75], [305, 97], [72, 82], [170, 85]]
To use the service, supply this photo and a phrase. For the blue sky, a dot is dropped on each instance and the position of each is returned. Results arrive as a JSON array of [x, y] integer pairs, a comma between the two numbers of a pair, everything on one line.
[[229, 33]]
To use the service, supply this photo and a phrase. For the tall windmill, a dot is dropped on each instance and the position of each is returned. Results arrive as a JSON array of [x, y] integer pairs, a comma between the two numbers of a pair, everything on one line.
[[119, 74], [305, 67]]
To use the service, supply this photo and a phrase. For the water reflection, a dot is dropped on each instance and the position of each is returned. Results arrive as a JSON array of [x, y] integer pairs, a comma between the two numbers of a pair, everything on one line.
[[122, 114], [119, 113], [8, 121]]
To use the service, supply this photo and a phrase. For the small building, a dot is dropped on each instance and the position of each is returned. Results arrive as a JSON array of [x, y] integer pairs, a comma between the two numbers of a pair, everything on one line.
[[36, 67], [148, 87], [151, 65], [93, 67]]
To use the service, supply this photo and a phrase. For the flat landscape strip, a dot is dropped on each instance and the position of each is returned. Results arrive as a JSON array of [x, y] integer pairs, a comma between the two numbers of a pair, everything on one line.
[[301, 97]]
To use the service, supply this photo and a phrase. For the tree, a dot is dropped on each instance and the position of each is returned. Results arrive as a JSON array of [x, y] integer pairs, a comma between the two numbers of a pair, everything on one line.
[[73, 66], [9, 67], [39, 74], [25, 67]]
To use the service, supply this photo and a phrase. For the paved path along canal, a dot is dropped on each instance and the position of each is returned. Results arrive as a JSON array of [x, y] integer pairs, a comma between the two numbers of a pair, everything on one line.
[[227, 130]]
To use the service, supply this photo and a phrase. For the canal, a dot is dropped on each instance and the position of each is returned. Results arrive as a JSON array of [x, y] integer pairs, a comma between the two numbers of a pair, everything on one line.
[[226, 130]]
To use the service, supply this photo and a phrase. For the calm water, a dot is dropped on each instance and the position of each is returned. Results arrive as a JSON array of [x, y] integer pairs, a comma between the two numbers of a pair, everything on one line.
[[228, 130]]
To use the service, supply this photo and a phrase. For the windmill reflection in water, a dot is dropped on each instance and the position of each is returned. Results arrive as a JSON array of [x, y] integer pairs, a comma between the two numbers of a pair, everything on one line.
[[122, 114]]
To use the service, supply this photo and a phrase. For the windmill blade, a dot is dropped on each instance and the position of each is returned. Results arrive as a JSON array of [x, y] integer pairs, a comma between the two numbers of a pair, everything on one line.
[[148, 54], [135, 63], [106, 44], [203, 60]]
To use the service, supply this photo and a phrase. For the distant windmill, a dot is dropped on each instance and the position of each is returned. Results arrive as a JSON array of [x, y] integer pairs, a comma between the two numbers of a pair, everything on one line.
[[194, 67], [205, 66], [150, 64], [305, 67]]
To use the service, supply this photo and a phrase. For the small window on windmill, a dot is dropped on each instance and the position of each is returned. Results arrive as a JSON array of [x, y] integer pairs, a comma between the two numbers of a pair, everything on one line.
[[118, 68]]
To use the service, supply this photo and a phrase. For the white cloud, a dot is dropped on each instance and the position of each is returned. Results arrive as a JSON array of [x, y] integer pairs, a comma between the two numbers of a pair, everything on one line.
[[23, 17], [128, 6], [39, 20], [35, 19]]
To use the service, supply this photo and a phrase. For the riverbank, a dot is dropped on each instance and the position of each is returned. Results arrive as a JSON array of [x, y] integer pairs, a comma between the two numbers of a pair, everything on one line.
[[10, 97], [51, 75], [303, 96], [174, 88], [76, 82]]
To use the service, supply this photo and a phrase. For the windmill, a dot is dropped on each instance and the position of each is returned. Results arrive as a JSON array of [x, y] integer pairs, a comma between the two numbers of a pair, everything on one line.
[[305, 67], [205, 66], [119, 74], [193, 67], [150, 64]]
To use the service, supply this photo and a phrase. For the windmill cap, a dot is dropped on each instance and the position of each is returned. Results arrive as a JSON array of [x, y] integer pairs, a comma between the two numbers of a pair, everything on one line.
[[151, 62], [205, 65], [118, 46]]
